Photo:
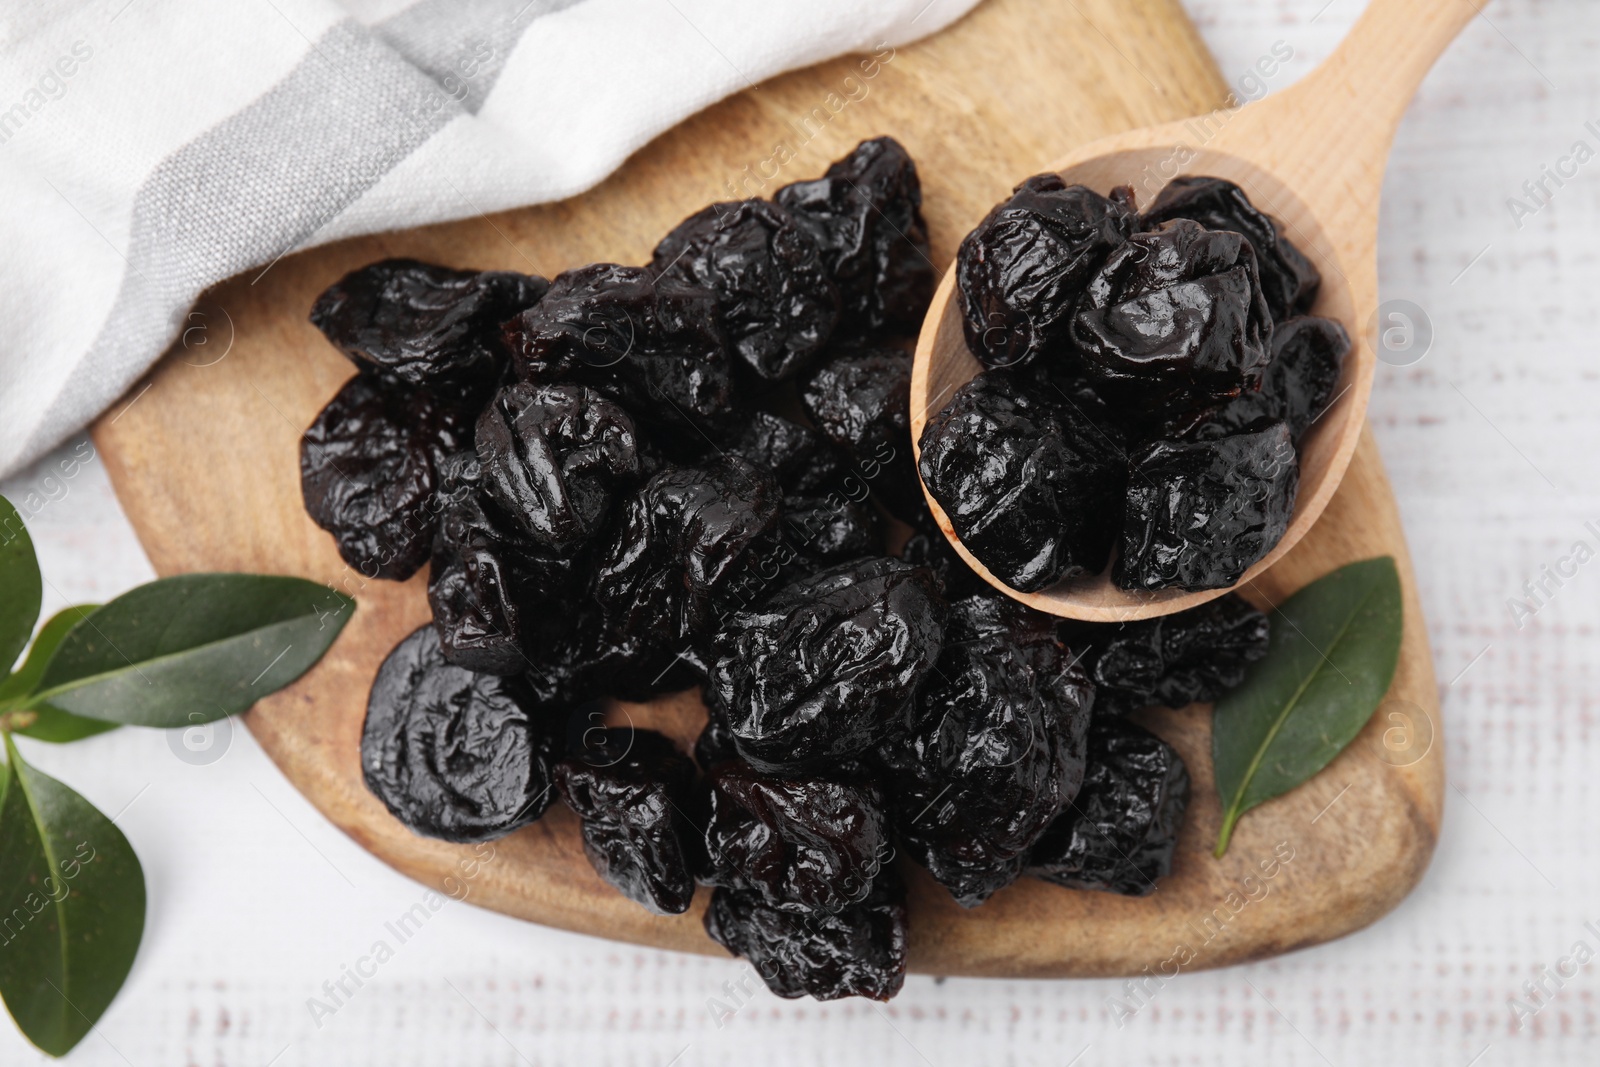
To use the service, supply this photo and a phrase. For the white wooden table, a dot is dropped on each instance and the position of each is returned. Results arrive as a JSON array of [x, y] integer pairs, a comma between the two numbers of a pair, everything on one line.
[[1491, 439]]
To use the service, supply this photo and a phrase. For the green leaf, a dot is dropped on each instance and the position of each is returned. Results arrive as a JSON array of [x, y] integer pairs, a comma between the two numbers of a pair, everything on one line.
[[1331, 657], [51, 723], [71, 908], [187, 650], [21, 588]]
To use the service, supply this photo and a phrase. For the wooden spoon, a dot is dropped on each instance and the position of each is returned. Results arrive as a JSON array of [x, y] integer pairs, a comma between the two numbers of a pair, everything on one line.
[[1312, 156]]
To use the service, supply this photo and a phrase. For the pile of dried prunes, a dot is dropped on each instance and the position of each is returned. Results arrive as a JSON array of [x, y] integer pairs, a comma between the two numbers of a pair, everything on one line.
[[635, 480]]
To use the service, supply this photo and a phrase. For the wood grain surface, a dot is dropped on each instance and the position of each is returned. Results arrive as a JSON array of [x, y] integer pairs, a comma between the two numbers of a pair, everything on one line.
[[205, 462]]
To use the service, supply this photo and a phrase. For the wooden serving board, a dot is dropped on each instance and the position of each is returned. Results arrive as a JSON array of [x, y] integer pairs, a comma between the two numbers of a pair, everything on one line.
[[206, 465]]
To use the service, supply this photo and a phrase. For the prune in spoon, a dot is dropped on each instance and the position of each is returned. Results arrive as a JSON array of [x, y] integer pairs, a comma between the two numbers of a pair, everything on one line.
[[555, 458], [865, 214], [816, 672], [652, 344], [992, 751], [1200, 513], [1120, 832], [857, 952], [1033, 489], [452, 753], [369, 472], [1021, 272], [1174, 319], [635, 796], [418, 323], [803, 844], [778, 305], [1288, 280]]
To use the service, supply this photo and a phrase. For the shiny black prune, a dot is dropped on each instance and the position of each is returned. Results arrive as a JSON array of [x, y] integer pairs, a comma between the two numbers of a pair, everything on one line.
[[1174, 319], [1120, 832], [1200, 513], [803, 844], [652, 344], [554, 459], [861, 401], [865, 214], [634, 796], [1288, 280], [819, 532], [933, 552], [778, 305], [369, 472], [804, 461], [417, 322], [1021, 272], [452, 753], [1033, 489], [1173, 660], [685, 540], [992, 750], [818, 671], [490, 591], [857, 952]]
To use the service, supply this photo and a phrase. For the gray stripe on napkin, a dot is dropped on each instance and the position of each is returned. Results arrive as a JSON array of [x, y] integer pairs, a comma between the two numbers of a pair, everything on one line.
[[267, 178]]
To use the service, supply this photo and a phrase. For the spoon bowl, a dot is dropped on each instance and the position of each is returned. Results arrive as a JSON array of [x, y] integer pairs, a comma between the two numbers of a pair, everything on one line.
[[1313, 158]]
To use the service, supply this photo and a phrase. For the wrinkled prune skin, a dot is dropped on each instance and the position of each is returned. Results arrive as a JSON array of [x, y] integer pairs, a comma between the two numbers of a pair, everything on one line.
[[369, 472], [1173, 660], [803, 844], [1021, 272], [817, 672], [555, 457], [1175, 319], [932, 551], [992, 750], [1307, 358], [804, 461], [419, 323], [686, 539], [1288, 280], [489, 590], [1120, 833], [1200, 513], [1033, 489], [819, 532], [652, 344], [861, 401], [857, 952], [778, 304], [452, 753], [635, 800], [865, 214]]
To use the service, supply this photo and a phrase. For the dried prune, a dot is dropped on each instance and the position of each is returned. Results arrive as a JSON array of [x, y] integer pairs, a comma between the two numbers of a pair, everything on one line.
[[804, 844], [452, 753], [1288, 280], [1033, 489], [778, 305], [685, 540], [1175, 319], [369, 472], [816, 672], [992, 750], [1020, 273], [635, 796], [554, 459], [803, 460], [489, 590], [1119, 833], [933, 552], [715, 744], [865, 214], [819, 532], [857, 952], [1174, 660], [861, 401], [417, 322], [652, 344], [1200, 513]]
